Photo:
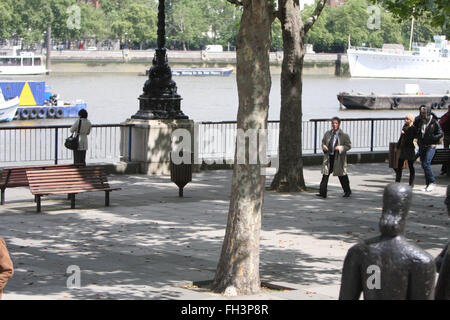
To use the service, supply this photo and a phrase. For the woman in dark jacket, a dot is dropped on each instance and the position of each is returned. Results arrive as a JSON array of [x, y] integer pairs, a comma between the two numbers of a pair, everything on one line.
[[406, 147]]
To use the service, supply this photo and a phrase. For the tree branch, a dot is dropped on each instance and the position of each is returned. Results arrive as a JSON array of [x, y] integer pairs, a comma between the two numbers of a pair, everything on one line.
[[236, 2], [313, 18]]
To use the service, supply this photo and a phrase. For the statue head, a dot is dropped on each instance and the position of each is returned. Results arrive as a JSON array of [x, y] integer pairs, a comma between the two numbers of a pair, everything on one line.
[[396, 202]]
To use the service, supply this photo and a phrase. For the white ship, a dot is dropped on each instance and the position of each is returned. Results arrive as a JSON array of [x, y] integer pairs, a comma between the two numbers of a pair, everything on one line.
[[25, 63], [431, 61]]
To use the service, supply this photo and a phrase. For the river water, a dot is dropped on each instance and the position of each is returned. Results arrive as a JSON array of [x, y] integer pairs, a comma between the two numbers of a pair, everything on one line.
[[112, 97]]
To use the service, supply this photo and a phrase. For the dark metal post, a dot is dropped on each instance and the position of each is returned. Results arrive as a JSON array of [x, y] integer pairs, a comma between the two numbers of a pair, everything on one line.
[[160, 99], [130, 140], [315, 136], [372, 122], [56, 145]]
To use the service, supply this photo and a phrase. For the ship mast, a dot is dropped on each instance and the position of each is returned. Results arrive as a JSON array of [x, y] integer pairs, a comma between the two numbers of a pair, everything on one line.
[[411, 36]]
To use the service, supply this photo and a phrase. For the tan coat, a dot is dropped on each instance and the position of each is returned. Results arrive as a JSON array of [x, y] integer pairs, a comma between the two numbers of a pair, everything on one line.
[[85, 129], [340, 157], [6, 266]]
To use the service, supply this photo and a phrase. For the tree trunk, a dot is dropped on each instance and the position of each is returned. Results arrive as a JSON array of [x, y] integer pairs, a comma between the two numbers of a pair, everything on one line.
[[289, 177], [238, 268]]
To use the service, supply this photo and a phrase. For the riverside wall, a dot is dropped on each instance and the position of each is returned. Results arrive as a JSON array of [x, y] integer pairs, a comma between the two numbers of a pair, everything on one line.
[[136, 61]]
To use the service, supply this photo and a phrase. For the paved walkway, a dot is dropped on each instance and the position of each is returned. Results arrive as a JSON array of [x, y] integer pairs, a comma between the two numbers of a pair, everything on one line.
[[150, 244]]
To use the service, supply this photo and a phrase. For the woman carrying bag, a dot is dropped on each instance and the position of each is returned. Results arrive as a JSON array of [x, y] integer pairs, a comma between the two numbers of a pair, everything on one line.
[[405, 146], [81, 127]]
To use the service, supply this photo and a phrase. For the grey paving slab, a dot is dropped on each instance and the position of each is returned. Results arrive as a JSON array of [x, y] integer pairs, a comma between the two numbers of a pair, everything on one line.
[[151, 244]]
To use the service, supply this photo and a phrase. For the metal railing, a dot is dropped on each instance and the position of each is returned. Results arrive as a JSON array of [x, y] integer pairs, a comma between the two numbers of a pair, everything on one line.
[[215, 140], [46, 144]]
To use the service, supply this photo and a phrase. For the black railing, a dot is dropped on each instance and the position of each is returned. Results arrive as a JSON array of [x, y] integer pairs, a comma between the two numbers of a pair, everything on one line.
[[46, 143], [214, 140]]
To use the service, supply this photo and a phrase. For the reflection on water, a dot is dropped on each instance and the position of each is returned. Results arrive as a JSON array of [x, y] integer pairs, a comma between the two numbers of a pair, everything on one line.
[[112, 97]]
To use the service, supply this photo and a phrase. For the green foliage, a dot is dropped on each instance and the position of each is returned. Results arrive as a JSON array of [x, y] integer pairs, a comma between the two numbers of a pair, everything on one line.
[[331, 31], [192, 24], [435, 11]]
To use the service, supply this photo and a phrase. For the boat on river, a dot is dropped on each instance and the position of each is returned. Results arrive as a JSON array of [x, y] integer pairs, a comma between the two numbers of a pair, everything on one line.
[[200, 72], [430, 61], [25, 63], [8, 108], [412, 98], [36, 101]]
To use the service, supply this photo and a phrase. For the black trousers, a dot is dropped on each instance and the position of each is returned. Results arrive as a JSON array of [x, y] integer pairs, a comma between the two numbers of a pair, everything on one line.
[[345, 182], [79, 157], [398, 171]]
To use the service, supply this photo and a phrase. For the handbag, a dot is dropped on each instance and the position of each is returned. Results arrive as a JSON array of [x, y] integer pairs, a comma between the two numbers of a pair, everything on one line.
[[72, 142]]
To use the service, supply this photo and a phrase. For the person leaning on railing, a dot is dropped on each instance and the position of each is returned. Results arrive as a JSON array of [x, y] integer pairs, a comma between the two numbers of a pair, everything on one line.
[[6, 266], [79, 155]]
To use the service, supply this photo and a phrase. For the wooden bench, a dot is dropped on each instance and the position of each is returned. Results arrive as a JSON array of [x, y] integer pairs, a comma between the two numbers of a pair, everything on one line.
[[68, 181], [13, 177], [442, 156]]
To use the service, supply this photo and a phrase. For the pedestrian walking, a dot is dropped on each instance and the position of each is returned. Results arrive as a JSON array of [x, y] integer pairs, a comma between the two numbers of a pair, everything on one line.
[[335, 144], [82, 126], [6, 266], [429, 134], [405, 146], [444, 122]]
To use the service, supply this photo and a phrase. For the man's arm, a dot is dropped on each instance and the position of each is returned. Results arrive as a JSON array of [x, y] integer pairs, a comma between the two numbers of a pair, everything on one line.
[[346, 144], [6, 265], [324, 143], [438, 134]]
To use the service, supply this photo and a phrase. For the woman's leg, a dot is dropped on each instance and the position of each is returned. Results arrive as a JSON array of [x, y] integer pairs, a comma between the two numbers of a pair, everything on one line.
[[83, 157], [412, 172], [398, 171]]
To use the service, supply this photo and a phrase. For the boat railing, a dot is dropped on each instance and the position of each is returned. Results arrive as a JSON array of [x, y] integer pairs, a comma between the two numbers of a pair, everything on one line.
[[214, 140]]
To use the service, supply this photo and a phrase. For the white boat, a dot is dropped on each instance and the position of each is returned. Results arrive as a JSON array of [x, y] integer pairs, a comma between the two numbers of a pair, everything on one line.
[[431, 61], [26, 63], [8, 108]]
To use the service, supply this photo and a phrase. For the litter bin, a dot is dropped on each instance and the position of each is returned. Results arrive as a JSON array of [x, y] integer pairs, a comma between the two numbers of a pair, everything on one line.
[[181, 174]]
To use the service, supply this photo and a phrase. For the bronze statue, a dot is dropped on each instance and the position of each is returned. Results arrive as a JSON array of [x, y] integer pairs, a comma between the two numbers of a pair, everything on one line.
[[443, 283], [388, 267]]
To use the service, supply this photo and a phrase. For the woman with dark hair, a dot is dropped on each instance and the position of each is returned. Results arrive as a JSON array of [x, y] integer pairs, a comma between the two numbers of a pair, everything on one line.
[[82, 127], [406, 147]]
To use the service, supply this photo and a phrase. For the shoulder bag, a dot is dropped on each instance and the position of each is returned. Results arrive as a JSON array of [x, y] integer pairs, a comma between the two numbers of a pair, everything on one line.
[[72, 142]]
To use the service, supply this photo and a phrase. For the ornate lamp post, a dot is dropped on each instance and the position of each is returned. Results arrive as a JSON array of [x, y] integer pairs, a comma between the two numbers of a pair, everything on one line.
[[160, 99]]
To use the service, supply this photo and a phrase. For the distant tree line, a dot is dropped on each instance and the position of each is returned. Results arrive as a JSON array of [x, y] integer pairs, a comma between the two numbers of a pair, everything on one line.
[[192, 24]]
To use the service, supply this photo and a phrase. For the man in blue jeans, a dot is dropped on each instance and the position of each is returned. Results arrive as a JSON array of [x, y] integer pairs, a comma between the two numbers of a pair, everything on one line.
[[429, 134]]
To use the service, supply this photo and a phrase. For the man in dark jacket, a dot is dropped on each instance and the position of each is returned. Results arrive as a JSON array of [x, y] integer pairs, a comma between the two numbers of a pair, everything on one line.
[[445, 125], [428, 135]]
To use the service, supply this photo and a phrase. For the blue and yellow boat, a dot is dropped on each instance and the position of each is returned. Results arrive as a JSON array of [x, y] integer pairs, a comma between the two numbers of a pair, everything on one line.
[[36, 101]]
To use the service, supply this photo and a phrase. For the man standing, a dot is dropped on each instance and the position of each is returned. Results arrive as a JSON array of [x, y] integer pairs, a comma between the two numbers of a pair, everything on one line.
[[428, 135], [335, 144], [445, 125], [6, 266]]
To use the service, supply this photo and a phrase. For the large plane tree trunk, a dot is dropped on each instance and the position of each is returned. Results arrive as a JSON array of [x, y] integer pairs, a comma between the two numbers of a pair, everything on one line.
[[290, 171], [238, 268]]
